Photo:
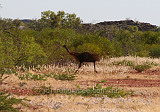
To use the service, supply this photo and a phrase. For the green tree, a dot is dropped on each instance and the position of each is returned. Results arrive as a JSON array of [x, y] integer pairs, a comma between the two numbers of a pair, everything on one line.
[[8, 52], [124, 37], [155, 51], [23, 49], [31, 53], [131, 43], [60, 19], [150, 37]]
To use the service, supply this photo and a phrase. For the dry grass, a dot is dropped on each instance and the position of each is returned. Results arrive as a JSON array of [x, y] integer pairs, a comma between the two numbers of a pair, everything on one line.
[[146, 99]]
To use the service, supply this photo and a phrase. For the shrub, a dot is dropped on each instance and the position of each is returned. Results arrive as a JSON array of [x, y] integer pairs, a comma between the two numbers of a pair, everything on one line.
[[29, 76], [151, 63], [64, 77], [98, 90], [8, 52], [155, 51], [90, 92], [43, 90], [4, 71], [123, 62], [2, 78], [103, 81], [7, 103], [141, 68], [89, 47], [30, 53]]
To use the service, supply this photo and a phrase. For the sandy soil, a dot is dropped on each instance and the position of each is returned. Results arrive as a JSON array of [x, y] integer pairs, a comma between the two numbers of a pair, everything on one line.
[[146, 87]]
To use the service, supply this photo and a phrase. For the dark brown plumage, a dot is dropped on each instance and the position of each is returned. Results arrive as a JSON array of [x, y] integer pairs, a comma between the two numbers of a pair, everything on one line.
[[84, 57]]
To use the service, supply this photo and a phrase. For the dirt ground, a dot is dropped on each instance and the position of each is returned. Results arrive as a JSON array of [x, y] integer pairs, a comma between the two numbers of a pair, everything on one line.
[[146, 87]]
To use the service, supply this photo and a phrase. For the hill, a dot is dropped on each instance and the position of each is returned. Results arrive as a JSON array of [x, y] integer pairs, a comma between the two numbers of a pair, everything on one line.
[[123, 24]]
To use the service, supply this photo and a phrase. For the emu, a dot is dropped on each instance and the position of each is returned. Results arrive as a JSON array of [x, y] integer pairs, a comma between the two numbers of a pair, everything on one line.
[[84, 57]]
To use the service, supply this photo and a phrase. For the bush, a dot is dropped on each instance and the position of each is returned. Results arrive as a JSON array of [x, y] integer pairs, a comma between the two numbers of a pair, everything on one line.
[[64, 77], [8, 52], [96, 91], [7, 103], [31, 53], [89, 47], [4, 71], [141, 68], [123, 62], [29, 76], [155, 51]]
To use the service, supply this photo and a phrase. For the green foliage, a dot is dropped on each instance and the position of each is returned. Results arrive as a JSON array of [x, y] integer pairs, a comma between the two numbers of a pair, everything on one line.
[[2, 78], [43, 90], [89, 47], [124, 63], [8, 52], [30, 53], [4, 71], [7, 71], [30, 76], [7, 103], [68, 77], [52, 41], [150, 37], [132, 28], [129, 43], [18, 48], [94, 91], [141, 68], [142, 53], [138, 68], [60, 19], [98, 90], [94, 44], [103, 81], [151, 63], [155, 51], [40, 41]]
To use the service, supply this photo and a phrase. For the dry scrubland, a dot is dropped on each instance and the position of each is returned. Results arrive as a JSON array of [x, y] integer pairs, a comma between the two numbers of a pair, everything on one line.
[[146, 87]]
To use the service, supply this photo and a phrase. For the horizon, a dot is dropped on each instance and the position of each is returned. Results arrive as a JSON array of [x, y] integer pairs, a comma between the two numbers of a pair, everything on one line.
[[89, 11], [102, 21]]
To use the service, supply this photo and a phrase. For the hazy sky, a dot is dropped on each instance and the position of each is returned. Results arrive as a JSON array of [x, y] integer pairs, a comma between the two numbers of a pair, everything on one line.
[[90, 11]]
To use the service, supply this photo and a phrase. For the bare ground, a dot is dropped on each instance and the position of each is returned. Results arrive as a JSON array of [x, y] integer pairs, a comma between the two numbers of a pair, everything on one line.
[[146, 87]]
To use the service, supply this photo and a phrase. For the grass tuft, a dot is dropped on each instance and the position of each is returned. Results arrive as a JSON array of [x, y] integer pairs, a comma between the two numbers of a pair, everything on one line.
[[123, 62], [7, 103], [141, 68], [64, 77], [95, 91]]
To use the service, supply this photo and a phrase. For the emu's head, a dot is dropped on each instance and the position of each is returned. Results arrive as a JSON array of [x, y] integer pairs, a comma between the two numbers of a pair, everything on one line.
[[64, 46]]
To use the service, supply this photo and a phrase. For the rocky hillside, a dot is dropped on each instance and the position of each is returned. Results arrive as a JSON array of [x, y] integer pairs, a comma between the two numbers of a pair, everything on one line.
[[107, 28], [124, 24]]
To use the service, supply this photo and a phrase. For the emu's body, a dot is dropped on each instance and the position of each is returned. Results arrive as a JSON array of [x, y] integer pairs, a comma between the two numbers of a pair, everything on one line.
[[84, 57]]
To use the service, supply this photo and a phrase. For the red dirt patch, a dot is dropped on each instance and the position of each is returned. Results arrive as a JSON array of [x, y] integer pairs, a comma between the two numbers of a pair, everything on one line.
[[20, 91], [133, 82], [109, 82], [153, 72], [147, 72], [125, 83]]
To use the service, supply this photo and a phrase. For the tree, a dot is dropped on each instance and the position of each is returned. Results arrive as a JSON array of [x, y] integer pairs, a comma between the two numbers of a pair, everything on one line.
[[21, 48], [60, 19], [150, 37], [130, 42]]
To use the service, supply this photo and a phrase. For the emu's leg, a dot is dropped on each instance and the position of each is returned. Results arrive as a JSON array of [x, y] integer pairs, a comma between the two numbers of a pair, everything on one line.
[[95, 66], [78, 67]]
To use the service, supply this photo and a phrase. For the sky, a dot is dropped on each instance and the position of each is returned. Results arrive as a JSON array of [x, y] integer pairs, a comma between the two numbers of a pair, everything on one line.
[[90, 11]]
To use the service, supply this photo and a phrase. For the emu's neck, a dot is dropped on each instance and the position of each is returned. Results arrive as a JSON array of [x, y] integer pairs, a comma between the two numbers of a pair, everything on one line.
[[67, 50]]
